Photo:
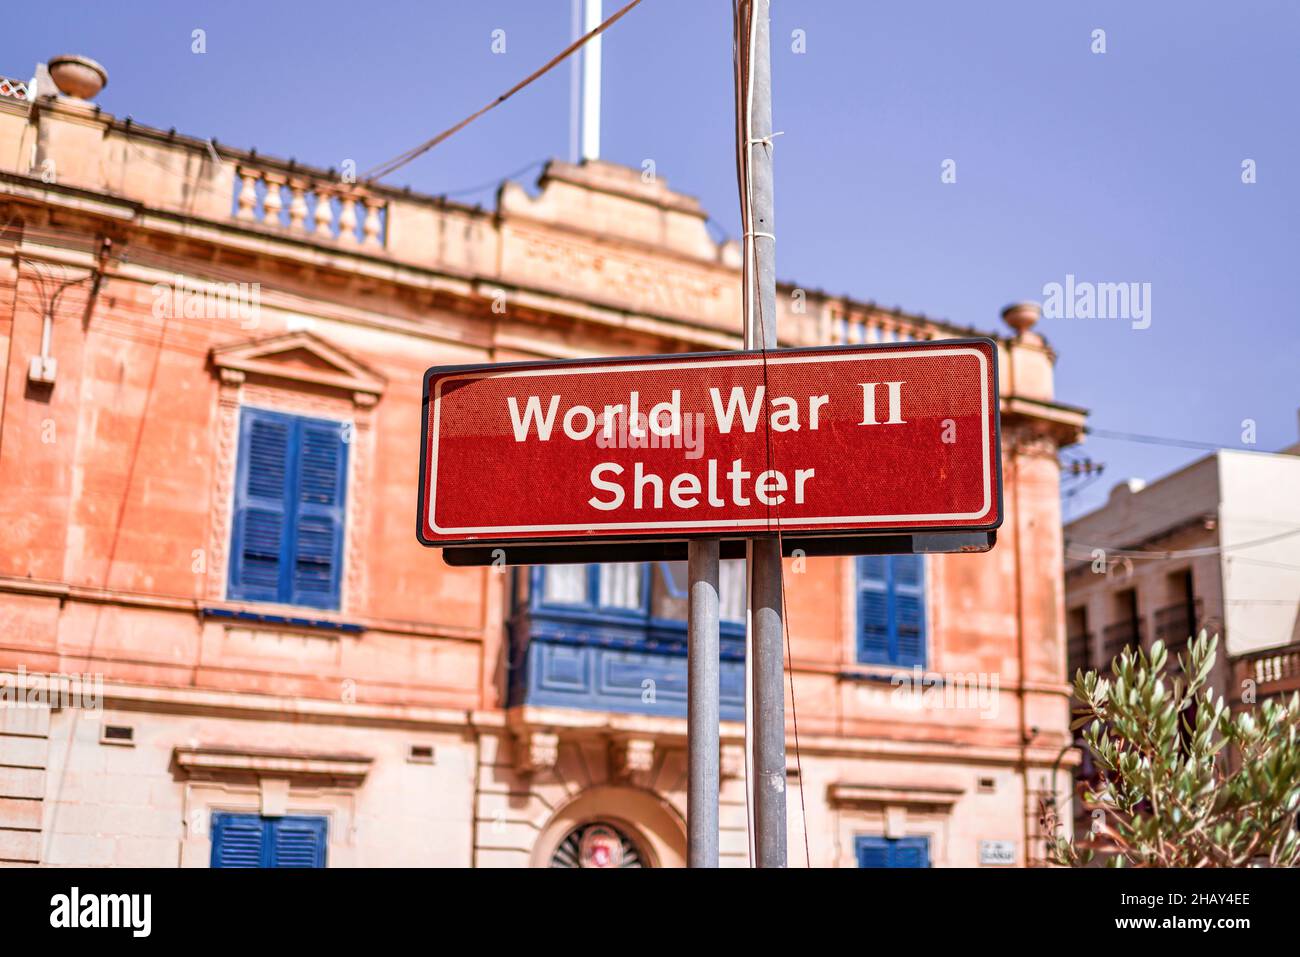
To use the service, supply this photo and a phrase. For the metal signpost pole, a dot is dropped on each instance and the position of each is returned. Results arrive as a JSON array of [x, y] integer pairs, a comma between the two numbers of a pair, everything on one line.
[[702, 703], [765, 570]]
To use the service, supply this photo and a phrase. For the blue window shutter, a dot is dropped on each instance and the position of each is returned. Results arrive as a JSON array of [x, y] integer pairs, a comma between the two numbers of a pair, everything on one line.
[[873, 625], [876, 851], [873, 610], [262, 484], [908, 592], [873, 567], [250, 840], [298, 841], [238, 840], [318, 514], [872, 852], [891, 609], [908, 569], [290, 499], [910, 852]]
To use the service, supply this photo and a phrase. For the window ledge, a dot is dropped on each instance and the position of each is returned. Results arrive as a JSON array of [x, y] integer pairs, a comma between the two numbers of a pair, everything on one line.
[[886, 674], [283, 620]]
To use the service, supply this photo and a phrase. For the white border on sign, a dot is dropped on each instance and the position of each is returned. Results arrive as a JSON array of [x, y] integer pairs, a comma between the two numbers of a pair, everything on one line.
[[792, 524]]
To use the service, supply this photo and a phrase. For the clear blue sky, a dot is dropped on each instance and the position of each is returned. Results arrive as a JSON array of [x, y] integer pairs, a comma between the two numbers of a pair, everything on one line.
[[1115, 167]]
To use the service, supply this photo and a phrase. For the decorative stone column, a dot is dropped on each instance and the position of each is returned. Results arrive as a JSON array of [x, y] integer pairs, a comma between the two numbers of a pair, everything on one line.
[[231, 382]]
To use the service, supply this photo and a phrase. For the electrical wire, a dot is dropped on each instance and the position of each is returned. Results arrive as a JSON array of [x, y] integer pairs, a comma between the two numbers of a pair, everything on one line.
[[1151, 439], [1079, 487], [1183, 553], [401, 159], [1265, 562], [488, 184]]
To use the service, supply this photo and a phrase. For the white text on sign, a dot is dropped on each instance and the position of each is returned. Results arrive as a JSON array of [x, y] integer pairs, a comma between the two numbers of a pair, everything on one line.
[[664, 419]]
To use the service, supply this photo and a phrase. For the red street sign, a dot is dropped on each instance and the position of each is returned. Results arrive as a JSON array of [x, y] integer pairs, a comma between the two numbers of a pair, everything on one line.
[[875, 439]]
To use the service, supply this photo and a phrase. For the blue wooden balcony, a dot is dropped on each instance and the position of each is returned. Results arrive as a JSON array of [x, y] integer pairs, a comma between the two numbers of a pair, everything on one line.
[[613, 638]]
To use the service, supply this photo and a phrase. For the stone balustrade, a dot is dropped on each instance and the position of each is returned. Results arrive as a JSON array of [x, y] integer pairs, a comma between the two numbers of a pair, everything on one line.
[[1275, 672], [310, 205], [842, 328], [15, 89]]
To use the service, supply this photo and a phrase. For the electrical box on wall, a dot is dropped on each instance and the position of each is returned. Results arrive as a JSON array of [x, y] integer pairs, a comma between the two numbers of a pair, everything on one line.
[[42, 370]]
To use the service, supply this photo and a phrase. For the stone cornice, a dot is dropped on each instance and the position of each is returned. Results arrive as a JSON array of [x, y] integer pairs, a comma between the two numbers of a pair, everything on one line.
[[63, 591], [868, 795], [183, 700], [360, 263], [525, 719], [347, 770], [1057, 422]]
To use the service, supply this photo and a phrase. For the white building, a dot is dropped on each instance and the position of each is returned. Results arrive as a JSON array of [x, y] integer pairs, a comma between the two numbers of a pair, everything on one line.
[[1214, 546]]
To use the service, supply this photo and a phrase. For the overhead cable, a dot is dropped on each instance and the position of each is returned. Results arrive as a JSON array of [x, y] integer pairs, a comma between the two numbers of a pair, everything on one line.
[[401, 159]]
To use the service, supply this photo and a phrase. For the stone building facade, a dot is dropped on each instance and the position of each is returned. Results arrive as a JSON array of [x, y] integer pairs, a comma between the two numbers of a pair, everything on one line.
[[209, 438]]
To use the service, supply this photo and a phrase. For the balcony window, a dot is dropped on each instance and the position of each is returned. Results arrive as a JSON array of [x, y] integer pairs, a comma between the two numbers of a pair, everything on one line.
[[612, 637], [1078, 642], [565, 585], [619, 587], [672, 595], [1178, 621], [1126, 630]]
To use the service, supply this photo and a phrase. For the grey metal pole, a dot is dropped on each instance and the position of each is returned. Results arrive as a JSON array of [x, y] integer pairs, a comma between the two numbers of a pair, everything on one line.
[[765, 573], [769, 706], [702, 704]]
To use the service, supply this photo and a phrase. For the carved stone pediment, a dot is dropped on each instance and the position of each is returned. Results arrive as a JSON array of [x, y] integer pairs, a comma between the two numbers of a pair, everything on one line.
[[303, 358]]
